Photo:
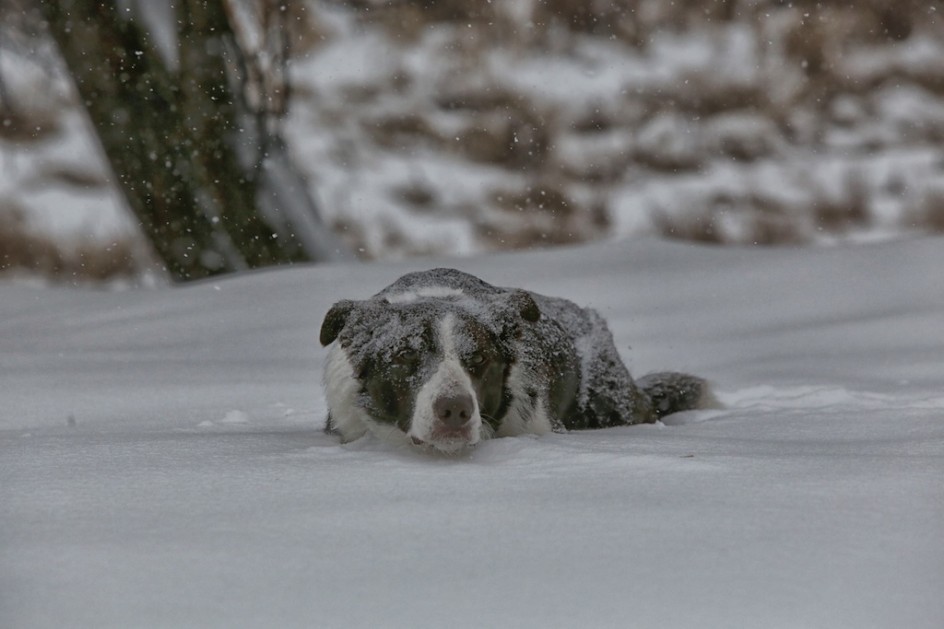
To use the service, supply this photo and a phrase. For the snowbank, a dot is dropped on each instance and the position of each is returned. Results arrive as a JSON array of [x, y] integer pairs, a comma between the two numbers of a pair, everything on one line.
[[162, 464]]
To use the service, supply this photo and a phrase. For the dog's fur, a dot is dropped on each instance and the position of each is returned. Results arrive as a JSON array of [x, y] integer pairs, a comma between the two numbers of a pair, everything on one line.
[[442, 359]]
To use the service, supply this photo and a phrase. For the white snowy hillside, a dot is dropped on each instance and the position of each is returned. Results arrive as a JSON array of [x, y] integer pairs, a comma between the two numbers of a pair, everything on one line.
[[458, 128], [162, 462]]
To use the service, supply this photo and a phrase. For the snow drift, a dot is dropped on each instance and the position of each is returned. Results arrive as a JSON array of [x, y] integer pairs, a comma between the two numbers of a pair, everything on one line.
[[162, 463]]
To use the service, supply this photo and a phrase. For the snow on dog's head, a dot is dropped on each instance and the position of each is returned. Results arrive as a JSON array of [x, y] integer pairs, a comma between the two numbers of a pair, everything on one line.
[[423, 364]]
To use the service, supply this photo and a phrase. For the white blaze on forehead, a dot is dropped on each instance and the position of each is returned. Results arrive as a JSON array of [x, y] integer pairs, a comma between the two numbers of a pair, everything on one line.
[[450, 378], [447, 336], [419, 293]]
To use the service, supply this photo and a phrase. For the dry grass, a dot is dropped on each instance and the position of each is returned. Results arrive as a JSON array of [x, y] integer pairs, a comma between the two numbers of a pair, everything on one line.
[[756, 218], [869, 20], [670, 142], [819, 35], [353, 235], [676, 127], [750, 219], [595, 17], [503, 128], [517, 139], [839, 214], [24, 250], [389, 240], [629, 22], [694, 227], [928, 213], [418, 196], [25, 125], [20, 249], [407, 20], [706, 94], [74, 175], [401, 132], [541, 215]]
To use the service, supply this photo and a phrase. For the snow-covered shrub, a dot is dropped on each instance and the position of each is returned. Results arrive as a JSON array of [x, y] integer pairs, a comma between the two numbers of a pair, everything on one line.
[[542, 214], [23, 248], [929, 211], [740, 121]]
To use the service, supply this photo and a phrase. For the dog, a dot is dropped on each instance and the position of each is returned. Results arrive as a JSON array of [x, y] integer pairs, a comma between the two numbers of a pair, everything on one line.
[[442, 360]]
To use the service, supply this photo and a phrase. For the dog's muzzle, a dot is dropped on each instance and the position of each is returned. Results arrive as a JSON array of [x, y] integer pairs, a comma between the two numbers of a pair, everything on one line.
[[455, 425]]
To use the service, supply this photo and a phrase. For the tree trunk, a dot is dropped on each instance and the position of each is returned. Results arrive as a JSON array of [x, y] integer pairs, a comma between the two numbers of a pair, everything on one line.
[[188, 152]]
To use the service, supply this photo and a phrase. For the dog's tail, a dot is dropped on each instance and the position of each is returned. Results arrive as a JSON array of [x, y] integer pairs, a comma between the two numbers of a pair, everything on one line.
[[671, 392]]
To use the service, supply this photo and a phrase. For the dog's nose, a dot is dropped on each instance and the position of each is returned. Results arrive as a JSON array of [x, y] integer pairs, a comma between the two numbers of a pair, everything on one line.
[[453, 410]]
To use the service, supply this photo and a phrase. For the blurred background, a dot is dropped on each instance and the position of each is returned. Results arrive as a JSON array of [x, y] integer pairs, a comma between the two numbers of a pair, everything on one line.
[[144, 142]]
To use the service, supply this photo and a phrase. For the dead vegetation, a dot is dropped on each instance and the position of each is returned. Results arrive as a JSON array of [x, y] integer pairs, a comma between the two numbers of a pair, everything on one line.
[[23, 126], [24, 249], [928, 212], [800, 87], [820, 74], [756, 217], [816, 72], [541, 215]]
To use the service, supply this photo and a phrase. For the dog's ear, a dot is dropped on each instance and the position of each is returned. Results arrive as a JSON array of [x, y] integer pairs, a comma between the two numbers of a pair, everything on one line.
[[335, 319], [524, 303]]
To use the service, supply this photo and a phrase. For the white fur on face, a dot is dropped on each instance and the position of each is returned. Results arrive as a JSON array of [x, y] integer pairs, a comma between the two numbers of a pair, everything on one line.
[[450, 378], [341, 389], [426, 291]]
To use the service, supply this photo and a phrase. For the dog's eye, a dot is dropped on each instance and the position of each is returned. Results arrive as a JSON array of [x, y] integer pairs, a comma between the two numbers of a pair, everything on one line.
[[477, 359]]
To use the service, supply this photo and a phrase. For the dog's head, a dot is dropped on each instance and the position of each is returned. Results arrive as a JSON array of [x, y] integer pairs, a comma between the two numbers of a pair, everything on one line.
[[431, 368]]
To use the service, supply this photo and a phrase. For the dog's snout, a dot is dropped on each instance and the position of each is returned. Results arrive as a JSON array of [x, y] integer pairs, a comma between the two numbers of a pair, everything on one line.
[[453, 410]]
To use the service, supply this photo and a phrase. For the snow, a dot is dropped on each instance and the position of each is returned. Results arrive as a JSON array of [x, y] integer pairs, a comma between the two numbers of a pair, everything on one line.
[[162, 463]]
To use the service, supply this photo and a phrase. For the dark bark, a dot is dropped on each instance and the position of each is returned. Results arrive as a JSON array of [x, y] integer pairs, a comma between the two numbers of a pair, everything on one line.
[[186, 149]]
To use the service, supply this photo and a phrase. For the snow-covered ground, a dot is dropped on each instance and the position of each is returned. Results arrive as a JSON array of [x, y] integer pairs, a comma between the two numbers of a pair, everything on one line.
[[162, 464]]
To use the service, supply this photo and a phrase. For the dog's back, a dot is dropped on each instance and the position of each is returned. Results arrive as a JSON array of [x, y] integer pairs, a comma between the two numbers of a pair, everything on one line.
[[572, 349]]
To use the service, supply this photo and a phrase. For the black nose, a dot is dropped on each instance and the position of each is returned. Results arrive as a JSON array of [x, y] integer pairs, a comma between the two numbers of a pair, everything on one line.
[[453, 410]]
